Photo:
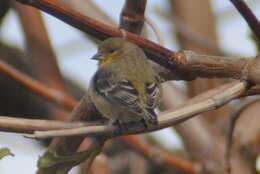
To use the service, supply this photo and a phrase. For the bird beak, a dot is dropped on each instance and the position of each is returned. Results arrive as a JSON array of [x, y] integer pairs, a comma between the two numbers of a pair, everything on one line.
[[97, 56]]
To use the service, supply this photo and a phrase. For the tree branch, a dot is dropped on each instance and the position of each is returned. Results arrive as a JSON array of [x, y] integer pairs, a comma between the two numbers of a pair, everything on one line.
[[22, 125], [184, 65], [85, 110], [132, 16], [179, 62], [40, 53], [37, 87], [249, 16], [233, 120], [210, 100], [39, 48]]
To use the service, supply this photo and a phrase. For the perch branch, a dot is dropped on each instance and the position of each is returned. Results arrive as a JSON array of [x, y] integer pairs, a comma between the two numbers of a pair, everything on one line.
[[29, 126], [210, 100], [22, 125]]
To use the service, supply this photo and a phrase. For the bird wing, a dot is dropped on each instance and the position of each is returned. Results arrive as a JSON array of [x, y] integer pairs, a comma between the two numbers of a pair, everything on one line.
[[122, 92], [153, 93]]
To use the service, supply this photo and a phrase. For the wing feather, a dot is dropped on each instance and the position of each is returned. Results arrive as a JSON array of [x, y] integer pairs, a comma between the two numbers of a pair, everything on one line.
[[124, 93]]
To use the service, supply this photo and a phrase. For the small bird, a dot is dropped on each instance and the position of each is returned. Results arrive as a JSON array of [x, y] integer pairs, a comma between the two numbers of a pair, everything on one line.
[[125, 87]]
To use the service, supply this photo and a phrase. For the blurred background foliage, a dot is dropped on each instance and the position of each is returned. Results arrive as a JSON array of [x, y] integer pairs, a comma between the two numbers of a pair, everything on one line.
[[209, 27]]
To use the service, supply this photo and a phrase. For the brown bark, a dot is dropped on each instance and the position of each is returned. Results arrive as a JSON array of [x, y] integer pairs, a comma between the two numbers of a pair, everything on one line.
[[198, 16], [186, 56], [51, 94], [180, 63], [40, 53], [132, 16]]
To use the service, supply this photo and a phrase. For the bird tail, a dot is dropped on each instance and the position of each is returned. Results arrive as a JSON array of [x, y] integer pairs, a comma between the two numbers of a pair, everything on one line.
[[151, 116]]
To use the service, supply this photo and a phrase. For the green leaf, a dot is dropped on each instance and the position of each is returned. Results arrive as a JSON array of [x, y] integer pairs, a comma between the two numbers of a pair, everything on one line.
[[5, 152], [52, 163]]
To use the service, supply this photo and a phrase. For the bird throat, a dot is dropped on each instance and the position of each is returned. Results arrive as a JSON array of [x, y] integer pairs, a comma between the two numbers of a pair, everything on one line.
[[109, 59]]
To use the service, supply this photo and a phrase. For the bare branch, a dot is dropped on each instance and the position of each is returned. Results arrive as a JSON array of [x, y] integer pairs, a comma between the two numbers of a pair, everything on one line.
[[22, 125], [37, 87], [181, 64], [39, 48], [248, 15], [132, 16], [89, 8], [213, 99], [40, 53], [233, 119]]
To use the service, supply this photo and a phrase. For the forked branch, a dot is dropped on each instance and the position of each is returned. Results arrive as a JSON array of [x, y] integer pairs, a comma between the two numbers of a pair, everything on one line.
[[185, 65]]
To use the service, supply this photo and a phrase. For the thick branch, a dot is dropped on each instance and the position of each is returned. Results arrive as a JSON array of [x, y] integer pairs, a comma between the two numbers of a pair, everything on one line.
[[181, 64], [90, 8], [132, 16], [248, 15]]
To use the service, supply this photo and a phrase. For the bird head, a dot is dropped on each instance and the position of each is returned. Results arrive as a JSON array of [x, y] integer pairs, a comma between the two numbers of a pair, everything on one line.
[[112, 50]]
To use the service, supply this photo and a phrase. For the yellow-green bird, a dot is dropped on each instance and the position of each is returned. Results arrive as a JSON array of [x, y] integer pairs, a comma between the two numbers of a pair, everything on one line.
[[125, 87]]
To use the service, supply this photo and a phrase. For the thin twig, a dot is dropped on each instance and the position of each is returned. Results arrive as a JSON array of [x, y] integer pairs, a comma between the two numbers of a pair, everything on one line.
[[22, 125], [37, 87], [233, 119], [156, 30], [249, 16]]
